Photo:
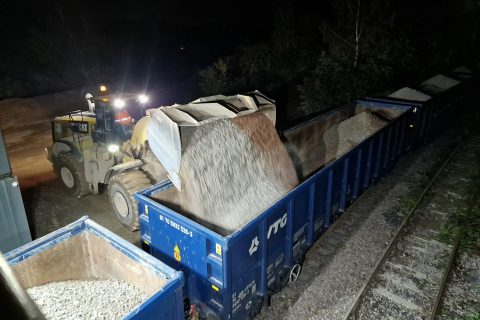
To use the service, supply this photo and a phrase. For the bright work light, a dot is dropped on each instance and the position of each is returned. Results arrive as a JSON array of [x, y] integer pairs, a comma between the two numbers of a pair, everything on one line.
[[119, 103], [113, 148], [143, 98]]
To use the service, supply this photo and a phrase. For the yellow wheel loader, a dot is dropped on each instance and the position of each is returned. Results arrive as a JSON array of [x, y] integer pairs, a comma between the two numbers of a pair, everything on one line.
[[105, 146], [86, 152]]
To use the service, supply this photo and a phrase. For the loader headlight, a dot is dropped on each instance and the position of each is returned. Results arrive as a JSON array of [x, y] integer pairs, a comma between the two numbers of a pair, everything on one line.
[[143, 98], [103, 88], [113, 148], [119, 103]]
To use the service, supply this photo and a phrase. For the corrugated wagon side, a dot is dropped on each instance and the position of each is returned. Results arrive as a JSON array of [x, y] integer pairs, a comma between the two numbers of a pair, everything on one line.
[[420, 119], [233, 276]]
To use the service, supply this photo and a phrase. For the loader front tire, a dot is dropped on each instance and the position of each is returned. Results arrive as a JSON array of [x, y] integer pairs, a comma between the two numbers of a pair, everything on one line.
[[70, 171], [121, 188]]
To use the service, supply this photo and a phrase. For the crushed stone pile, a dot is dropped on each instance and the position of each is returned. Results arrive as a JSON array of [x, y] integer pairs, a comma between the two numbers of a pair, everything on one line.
[[320, 142], [234, 169], [438, 84], [40, 108], [87, 299], [410, 94], [343, 136]]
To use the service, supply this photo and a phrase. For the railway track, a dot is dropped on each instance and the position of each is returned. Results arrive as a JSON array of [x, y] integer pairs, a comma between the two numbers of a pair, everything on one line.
[[409, 279], [352, 245]]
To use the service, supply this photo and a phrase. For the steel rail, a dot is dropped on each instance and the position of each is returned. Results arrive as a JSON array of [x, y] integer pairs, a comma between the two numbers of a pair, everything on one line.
[[380, 262]]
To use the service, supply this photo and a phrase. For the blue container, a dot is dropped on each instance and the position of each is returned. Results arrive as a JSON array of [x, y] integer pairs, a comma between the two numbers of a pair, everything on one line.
[[420, 120], [437, 113], [467, 89], [232, 276], [84, 249]]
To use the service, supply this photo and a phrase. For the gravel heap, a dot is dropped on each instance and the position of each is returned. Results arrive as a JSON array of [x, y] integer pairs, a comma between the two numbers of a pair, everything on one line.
[[438, 83], [39, 108], [322, 140], [410, 94], [462, 69], [343, 136], [87, 299]]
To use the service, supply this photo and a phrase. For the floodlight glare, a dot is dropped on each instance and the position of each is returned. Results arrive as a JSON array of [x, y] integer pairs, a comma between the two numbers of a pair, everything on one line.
[[119, 103], [113, 148], [143, 98]]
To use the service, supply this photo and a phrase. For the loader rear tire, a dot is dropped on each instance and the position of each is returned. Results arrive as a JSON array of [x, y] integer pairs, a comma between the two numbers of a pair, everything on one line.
[[121, 188], [70, 171]]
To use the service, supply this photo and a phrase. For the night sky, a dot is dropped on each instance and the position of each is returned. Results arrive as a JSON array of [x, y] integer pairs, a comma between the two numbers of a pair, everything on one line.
[[150, 43], [159, 46]]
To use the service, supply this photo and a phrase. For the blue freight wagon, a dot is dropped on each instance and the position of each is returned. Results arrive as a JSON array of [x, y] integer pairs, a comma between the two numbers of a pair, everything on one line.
[[232, 276], [423, 106], [83, 250], [437, 100]]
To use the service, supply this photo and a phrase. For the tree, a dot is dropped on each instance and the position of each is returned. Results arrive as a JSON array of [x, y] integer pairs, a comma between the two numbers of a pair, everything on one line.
[[268, 65], [353, 48], [363, 54], [215, 79]]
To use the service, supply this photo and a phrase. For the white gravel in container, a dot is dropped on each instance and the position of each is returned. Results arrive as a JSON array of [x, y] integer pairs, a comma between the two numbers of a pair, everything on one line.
[[438, 83], [462, 69], [410, 94], [345, 135], [87, 299]]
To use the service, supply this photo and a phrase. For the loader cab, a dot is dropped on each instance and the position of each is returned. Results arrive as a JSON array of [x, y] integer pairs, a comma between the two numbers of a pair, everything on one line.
[[115, 116], [71, 134], [74, 126]]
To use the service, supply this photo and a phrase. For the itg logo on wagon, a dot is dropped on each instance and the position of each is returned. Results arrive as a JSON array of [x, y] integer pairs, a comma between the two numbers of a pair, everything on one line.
[[274, 227]]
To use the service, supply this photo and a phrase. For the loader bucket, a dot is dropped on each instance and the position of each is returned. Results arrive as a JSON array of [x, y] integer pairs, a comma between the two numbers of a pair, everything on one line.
[[171, 127]]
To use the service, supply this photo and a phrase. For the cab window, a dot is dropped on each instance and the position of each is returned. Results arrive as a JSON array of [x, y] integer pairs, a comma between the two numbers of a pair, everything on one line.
[[61, 130]]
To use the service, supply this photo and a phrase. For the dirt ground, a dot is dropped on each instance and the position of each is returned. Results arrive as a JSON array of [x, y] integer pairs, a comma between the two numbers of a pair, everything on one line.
[[26, 127]]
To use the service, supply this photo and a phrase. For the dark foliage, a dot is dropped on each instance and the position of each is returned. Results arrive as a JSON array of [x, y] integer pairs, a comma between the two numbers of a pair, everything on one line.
[[349, 49], [328, 52]]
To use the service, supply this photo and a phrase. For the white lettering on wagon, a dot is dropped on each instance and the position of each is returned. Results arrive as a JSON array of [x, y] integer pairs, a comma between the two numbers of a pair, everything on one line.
[[274, 227], [238, 297], [176, 225], [253, 245]]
